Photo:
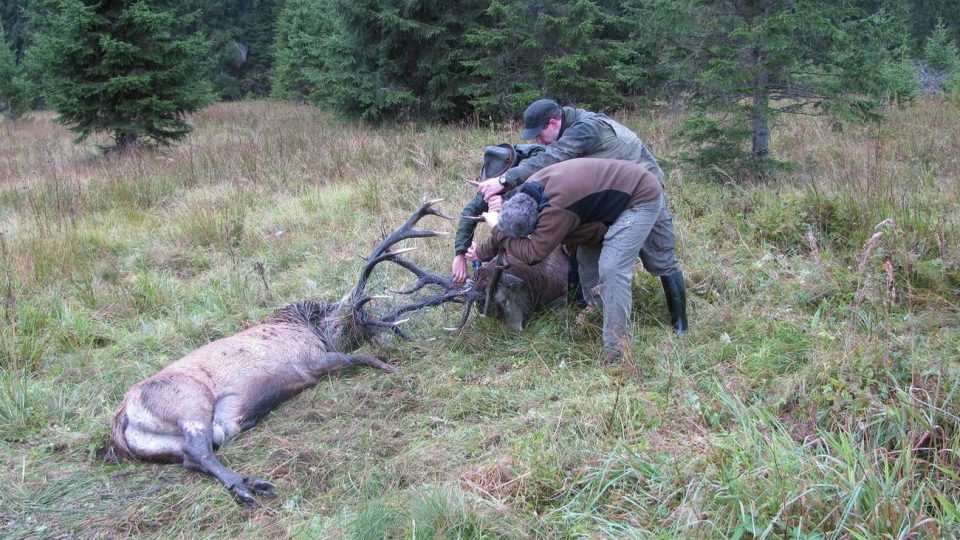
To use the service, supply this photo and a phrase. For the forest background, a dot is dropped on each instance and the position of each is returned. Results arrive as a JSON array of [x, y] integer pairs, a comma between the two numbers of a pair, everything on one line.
[[483, 61]]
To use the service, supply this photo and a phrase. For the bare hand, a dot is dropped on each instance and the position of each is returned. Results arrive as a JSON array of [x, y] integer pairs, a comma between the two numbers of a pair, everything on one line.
[[492, 218], [459, 268], [495, 203], [490, 187], [472, 253]]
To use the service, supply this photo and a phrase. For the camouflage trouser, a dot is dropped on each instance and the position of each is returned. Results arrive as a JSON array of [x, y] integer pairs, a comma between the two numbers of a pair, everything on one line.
[[645, 229]]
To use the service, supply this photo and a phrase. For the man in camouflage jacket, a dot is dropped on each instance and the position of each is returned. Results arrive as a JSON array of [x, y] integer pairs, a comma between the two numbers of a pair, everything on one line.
[[496, 160]]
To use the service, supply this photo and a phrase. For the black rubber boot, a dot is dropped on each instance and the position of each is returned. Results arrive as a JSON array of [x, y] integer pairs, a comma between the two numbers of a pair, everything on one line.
[[574, 291], [676, 295]]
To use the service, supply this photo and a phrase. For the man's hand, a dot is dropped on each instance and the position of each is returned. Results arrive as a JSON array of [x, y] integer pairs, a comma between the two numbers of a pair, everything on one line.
[[459, 268], [495, 203], [472, 253], [492, 218], [490, 187]]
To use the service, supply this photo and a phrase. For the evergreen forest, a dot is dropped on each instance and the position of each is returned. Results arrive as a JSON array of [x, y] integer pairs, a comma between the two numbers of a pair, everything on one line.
[[110, 66]]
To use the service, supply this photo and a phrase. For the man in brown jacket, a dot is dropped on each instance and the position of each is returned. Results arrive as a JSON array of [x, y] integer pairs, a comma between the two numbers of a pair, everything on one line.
[[610, 209], [572, 133]]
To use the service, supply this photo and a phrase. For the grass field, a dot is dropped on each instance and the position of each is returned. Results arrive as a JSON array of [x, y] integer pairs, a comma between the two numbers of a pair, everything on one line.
[[817, 395]]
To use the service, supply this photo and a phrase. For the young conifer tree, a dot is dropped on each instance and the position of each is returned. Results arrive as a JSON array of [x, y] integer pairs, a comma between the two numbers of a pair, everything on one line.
[[568, 50], [396, 61], [755, 60], [942, 58], [7, 76], [124, 67], [301, 50]]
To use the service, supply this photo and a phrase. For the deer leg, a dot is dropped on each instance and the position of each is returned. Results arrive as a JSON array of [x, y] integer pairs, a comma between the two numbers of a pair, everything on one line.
[[335, 361], [371, 361], [198, 456]]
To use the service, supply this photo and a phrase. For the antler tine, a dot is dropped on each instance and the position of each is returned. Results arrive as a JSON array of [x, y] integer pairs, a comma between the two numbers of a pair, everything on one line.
[[430, 209], [473, 183], [395, 326], [452, 292], [419, 284], [463, 319], [380, 323], [367, 298], [458, 297], [427, 277], [405, 231]]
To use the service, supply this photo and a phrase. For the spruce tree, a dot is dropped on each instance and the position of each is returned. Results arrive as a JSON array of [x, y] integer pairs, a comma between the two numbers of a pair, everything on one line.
[[241, 35], [927, 15], [397, 61], [755, 59], [14, 19], [940, 51], [528, 49], [304, 28], [124, 67], [7, 76], [16, 91], [941, 57]]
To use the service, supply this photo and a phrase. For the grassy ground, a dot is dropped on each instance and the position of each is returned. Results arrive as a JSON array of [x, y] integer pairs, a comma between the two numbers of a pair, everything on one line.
[[817, 395]]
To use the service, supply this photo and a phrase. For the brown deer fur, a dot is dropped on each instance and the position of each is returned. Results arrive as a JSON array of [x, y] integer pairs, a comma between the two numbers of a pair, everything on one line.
[[521, 290], [189, 408]]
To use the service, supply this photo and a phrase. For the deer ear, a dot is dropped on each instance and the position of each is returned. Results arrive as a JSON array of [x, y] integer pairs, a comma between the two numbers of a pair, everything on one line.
[[510, 280]]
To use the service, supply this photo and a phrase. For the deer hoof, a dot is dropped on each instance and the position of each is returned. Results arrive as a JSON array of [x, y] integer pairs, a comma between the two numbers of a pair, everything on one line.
[[260, 487], [389, 369], [243, 496], [380, 364]]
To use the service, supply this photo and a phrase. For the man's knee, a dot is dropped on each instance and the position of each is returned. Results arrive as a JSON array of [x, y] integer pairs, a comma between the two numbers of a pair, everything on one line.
[[660, 266], [658, 254], [614, 271]]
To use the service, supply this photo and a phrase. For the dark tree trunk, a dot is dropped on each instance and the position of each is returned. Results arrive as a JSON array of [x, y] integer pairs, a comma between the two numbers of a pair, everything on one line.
[[126, 142], [759, 118]]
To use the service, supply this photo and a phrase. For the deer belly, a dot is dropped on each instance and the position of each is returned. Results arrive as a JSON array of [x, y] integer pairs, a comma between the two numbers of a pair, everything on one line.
[[240, 411]]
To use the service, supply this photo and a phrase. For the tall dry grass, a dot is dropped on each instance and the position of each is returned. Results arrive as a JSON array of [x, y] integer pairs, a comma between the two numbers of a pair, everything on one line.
[[816, 396]]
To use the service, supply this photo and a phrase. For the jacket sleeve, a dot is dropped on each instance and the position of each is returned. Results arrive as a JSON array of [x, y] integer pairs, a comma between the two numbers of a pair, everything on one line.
[[488, 249], [552, 227], [577, 140], [466, 227]]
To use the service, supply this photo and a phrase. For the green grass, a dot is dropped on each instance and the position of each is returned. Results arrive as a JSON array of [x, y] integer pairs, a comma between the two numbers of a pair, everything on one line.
[[817, 396]]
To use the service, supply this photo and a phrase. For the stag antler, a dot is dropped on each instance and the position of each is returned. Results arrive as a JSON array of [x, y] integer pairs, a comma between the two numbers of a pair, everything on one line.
[[452, 292], [500, 263], [382, 253]]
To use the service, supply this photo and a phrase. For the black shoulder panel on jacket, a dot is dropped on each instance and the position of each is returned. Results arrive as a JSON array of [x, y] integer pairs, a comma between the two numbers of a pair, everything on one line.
[[602, 206]]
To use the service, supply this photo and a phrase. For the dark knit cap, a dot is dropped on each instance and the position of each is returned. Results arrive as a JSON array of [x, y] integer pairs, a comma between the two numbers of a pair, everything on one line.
[[518, 216], [537, 115]]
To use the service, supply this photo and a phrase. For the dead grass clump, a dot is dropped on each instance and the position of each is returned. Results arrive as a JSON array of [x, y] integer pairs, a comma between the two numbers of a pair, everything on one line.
[[496, 482]]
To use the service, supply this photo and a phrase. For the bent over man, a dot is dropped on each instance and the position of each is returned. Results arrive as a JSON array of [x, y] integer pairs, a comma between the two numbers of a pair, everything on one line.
[[576, 133], [612, 210]]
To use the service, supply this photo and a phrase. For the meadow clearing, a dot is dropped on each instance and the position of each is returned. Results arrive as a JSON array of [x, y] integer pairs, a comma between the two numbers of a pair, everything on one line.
[[816, 396]]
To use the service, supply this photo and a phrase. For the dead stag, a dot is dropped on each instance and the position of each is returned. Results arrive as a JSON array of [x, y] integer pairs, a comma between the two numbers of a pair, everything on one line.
[[189, 408]]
